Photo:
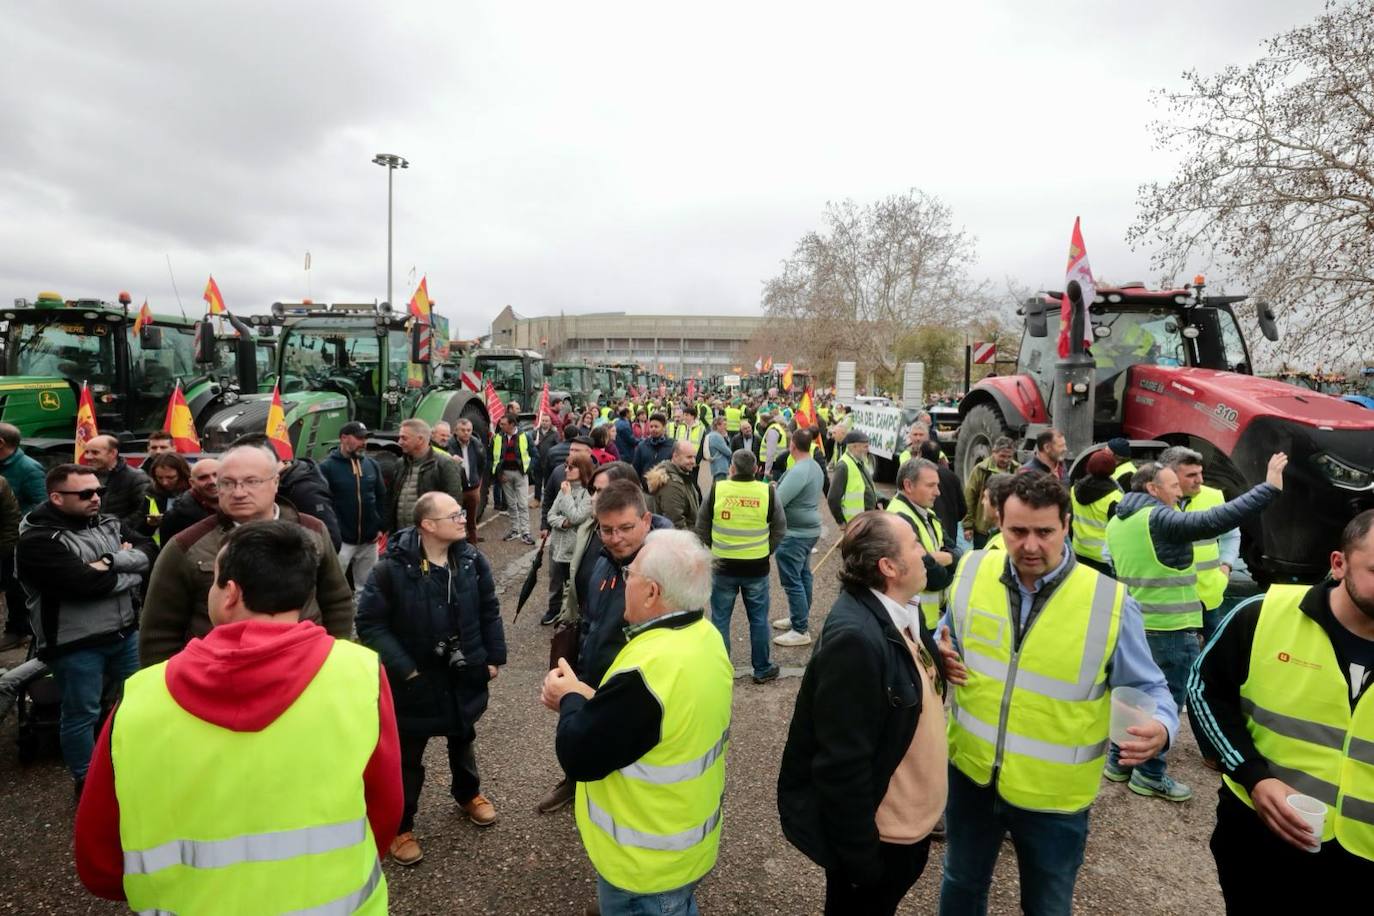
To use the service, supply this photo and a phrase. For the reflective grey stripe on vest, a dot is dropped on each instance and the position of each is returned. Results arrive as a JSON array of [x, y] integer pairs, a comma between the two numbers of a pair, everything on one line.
[[1030, 747], [1082, 541], [1169, 607], [965, 591], [1092, 523], [1211, 543], [1157, 582], [349, 903], [1307, 784], [677, 772], [1293, 727], [253, 847], [739, 532], [1361, 750], [728, 546], [1209, 564], [1357, 809], [1050, 687], [672, 842]]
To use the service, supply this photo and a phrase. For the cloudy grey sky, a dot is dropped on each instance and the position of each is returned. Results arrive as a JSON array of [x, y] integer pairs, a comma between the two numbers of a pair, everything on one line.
[[575, 157]]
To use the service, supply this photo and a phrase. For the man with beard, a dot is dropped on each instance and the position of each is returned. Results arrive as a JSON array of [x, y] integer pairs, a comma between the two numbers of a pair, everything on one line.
[[1048, 458], [1283, 693]]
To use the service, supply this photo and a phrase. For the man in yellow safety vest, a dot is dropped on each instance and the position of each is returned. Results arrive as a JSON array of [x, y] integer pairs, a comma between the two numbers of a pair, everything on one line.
[[1283, 693], [1038, 642], [919, 482], [851, 487], [178, 815], [647, 747]]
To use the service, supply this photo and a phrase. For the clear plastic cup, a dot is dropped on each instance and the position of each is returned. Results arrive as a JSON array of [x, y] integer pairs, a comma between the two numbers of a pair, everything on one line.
[[1130, 707], [1312, 812]]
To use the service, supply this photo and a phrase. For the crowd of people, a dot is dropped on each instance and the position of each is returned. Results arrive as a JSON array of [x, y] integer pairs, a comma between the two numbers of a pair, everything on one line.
[[961, 688]]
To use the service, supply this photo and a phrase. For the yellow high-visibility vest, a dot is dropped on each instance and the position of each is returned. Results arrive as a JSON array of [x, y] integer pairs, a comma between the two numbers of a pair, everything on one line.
[[1090, 523], [739, 525], [931, 601], [1168, 597], [1211, 580]]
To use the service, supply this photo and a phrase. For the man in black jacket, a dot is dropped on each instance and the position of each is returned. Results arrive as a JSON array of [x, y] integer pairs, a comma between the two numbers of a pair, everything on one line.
[[863, 776], [201, 501], [82, 570], [355, 482], [431, 612], [421, 470], [126, 488], [470, 452]]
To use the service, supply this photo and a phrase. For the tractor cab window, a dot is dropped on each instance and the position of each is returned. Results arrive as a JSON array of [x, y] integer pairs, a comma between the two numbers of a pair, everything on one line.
[[1154, 336], [153, 373], [323, 360], [78, 350], [507, 375], [1220, 345]]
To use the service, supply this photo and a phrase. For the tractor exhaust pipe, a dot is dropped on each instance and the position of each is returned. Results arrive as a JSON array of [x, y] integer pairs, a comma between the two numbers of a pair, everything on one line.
[[1072, 410]]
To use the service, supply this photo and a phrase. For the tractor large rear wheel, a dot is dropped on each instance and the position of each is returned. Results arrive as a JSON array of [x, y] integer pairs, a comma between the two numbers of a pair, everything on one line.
[[983, 426]]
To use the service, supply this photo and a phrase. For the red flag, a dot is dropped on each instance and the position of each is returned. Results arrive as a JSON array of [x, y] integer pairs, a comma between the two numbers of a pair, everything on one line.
[[634, 393], [213, 297], [768, 364], [495, 409], [544, 407], [178, 422], [85, 423], [806, 411], [1079, 270], [691, 390], [276, 427], [144, 318]]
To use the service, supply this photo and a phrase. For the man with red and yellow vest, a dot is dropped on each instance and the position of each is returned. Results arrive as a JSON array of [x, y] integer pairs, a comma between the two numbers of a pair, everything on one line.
[[647, 747], [918, 481], [256, 771], [1283, 693], [1152, 552], [1038, 642]]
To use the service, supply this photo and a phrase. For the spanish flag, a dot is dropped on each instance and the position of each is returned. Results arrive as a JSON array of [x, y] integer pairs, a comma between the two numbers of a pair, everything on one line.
[[178, 422], [419, 303], [213, 297], [768, 364], [787, 378], [276, 427], [85, 423], [144, 318], [806, 411]]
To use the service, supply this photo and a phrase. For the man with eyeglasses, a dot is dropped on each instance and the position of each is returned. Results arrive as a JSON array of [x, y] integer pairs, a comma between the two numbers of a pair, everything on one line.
[[176, 609], [430, 611], [81, 571]]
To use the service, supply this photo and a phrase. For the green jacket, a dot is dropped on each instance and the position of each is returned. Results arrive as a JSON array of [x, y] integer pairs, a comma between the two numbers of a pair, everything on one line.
[[977, 481], [27, 478]]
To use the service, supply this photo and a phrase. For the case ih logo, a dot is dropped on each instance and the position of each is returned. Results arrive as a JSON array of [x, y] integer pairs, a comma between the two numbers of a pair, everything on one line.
[[1152, 385]]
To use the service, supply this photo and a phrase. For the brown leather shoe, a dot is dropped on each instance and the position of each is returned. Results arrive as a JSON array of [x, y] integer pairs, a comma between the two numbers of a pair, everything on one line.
[[480, 811], [406, 850], [557, 797]]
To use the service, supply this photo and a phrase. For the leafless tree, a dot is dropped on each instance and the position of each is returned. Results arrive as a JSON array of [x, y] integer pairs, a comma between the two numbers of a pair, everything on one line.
[[1276, 182], [873, 273]]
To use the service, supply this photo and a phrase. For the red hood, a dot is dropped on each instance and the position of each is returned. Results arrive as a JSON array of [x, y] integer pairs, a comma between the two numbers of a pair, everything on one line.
[[242, 676]]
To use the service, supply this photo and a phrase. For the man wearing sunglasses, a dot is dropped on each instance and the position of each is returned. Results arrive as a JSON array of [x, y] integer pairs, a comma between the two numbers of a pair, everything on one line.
[[81, 570]]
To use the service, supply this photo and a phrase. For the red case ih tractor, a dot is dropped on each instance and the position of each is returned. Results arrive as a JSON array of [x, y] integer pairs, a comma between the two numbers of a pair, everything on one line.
[[1171, 367]]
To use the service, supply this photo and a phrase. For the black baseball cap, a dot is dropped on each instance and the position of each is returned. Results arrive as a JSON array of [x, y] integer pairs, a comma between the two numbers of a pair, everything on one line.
[[354, 428]]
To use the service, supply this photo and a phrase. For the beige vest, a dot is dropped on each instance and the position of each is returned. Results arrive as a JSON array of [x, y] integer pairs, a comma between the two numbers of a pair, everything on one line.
[[916, 793]]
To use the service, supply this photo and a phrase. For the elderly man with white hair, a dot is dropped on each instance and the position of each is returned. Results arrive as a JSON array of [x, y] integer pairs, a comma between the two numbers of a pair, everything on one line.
[[647, 748]]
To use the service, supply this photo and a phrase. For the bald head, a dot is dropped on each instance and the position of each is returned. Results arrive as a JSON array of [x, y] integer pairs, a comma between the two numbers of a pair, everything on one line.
[[102, 452]]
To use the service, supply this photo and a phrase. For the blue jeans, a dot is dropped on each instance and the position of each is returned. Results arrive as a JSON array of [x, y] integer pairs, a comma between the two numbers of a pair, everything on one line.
[[794, 572], [755, 590], [1174, 651], [81, 678], [1049, 851], [616, 902]]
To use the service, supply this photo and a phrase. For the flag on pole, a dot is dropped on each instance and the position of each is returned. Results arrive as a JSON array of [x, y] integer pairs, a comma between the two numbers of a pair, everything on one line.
[[1079, 270], [213, 297], [758, 364], [806, 411], [768, 364], [419, 303], [276, 427], [691, 390], [85, 423], [495, 409], [178, 422], [787, 378], [144, 318], [633, 393], [544, 407]]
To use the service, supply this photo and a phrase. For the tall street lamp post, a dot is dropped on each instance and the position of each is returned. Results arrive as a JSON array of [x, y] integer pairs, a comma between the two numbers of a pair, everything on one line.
[[391, 162]]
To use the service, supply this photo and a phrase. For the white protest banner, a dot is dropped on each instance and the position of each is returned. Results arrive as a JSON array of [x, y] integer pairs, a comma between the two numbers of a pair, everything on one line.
[[883, 425]]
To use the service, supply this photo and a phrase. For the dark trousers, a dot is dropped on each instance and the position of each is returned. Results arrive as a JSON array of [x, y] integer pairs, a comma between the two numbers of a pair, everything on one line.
[[471, 501], [462, 763], [902, 865], [16, 611], [558, 576], [1260, 873]]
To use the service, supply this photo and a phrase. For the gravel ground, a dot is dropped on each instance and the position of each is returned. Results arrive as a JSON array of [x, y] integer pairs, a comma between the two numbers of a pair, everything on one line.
[[1145, 855]]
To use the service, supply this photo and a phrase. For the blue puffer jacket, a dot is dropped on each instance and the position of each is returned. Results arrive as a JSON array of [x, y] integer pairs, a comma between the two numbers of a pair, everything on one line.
[[1174, 532], [407, 608], [358, 495]]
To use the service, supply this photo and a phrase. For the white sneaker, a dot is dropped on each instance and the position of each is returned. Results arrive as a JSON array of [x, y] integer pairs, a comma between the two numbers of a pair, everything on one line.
[[792, 638], [782, 623]]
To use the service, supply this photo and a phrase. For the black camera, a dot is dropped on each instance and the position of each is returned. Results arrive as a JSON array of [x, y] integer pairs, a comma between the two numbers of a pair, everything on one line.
[[451, 651]]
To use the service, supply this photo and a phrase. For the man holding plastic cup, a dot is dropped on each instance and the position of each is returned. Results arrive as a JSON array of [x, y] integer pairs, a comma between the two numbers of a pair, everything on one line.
[[1034, 643], [1283, 692]]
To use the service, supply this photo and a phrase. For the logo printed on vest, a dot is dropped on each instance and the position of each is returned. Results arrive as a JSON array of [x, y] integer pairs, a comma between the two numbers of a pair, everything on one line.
[[1300, 662]]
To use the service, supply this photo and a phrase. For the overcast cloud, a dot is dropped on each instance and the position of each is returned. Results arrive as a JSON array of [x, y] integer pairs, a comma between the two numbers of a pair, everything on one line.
[[573, 157]]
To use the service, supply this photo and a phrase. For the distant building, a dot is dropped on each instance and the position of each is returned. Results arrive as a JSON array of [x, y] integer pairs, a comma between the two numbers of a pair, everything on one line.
[[672, 344]]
